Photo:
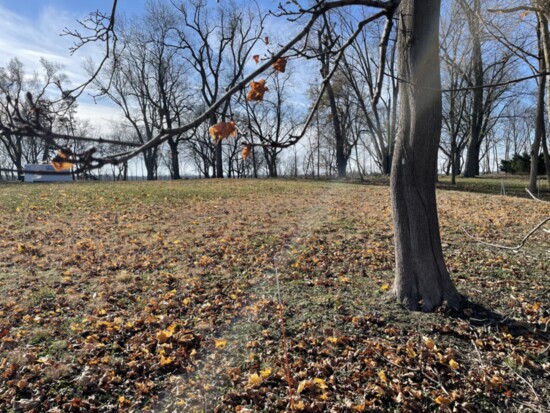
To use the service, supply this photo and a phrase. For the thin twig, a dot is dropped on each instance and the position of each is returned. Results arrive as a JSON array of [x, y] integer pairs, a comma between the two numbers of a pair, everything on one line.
[[515, 248], [535, 198], [526, 381]]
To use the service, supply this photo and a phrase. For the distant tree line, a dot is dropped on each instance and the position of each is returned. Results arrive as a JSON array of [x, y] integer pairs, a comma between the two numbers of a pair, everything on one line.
[[178, 58]]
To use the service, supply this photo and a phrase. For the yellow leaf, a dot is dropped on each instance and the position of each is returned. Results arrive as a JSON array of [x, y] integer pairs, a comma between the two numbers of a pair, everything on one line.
[[321, 383], [300, 405], [220, 344], [186, 301], [302, 386], [163, 336], [442, 401], [164, 361], [332, 340], [265, 373], [359, 407], [411, 352], [344, 279], [496, 382], [385, 287], [454, 365], [254, 381], [429, 343], [382, 375]]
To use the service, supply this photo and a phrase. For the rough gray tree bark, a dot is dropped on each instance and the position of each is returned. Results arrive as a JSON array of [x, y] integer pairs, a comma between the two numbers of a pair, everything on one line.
[[422, 281]]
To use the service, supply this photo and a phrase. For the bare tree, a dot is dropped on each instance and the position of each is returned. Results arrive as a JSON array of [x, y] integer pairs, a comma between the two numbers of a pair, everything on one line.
[[272, 121], [217, 47], [25, 100], [455, 102], [377, 110]]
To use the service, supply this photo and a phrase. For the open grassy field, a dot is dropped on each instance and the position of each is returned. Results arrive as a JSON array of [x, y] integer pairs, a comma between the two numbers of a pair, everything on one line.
[[162, 296]]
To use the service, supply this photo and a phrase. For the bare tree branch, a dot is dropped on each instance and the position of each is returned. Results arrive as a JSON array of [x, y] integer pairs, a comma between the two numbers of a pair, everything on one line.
[[514, 248]]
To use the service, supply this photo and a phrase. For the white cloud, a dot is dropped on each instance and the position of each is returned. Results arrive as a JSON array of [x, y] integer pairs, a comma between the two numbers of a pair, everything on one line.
[[29, 41], [102, 117]]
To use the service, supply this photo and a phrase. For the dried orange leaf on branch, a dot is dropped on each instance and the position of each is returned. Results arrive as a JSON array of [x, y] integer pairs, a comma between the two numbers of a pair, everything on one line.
[[280, 65], [256, 58], [257, 90], [246, 151], [223, 130], [61, 162]]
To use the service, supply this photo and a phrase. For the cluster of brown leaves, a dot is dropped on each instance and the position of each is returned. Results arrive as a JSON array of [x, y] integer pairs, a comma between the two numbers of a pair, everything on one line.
[[148, 297], [257, 90], [223, 130]]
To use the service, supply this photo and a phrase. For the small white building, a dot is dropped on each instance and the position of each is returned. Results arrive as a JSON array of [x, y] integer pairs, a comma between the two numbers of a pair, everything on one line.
[[46, 173]]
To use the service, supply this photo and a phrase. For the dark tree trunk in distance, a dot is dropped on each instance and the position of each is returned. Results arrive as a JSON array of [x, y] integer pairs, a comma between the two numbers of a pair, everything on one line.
[[539, 120], [471, 168], [422, 281], [219, 160], [174, 158]]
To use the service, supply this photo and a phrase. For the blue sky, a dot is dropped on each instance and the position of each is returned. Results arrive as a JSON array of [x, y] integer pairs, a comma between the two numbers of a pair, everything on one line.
[[33, 9], [30, 29]]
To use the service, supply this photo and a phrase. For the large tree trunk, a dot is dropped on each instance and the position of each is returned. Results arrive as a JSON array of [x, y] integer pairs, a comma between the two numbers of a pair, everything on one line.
[[471, 168], [341, 159], [422, 281], [150, 160], [546, 156], [545, 45], [539, 121], [455, 162]]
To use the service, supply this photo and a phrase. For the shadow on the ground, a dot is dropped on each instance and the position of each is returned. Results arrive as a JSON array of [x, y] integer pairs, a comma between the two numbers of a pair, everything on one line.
[[481, 316]]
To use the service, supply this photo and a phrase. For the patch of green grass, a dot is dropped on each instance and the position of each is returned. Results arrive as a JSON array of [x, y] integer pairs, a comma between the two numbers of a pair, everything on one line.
[[509, 185], [37, 298]]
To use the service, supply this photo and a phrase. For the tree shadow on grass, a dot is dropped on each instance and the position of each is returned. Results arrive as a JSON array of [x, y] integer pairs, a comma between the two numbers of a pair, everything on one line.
[[479, 315]]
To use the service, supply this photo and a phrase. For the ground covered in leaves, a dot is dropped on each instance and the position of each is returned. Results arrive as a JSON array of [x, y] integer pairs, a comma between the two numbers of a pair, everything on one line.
[[164, 297]]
